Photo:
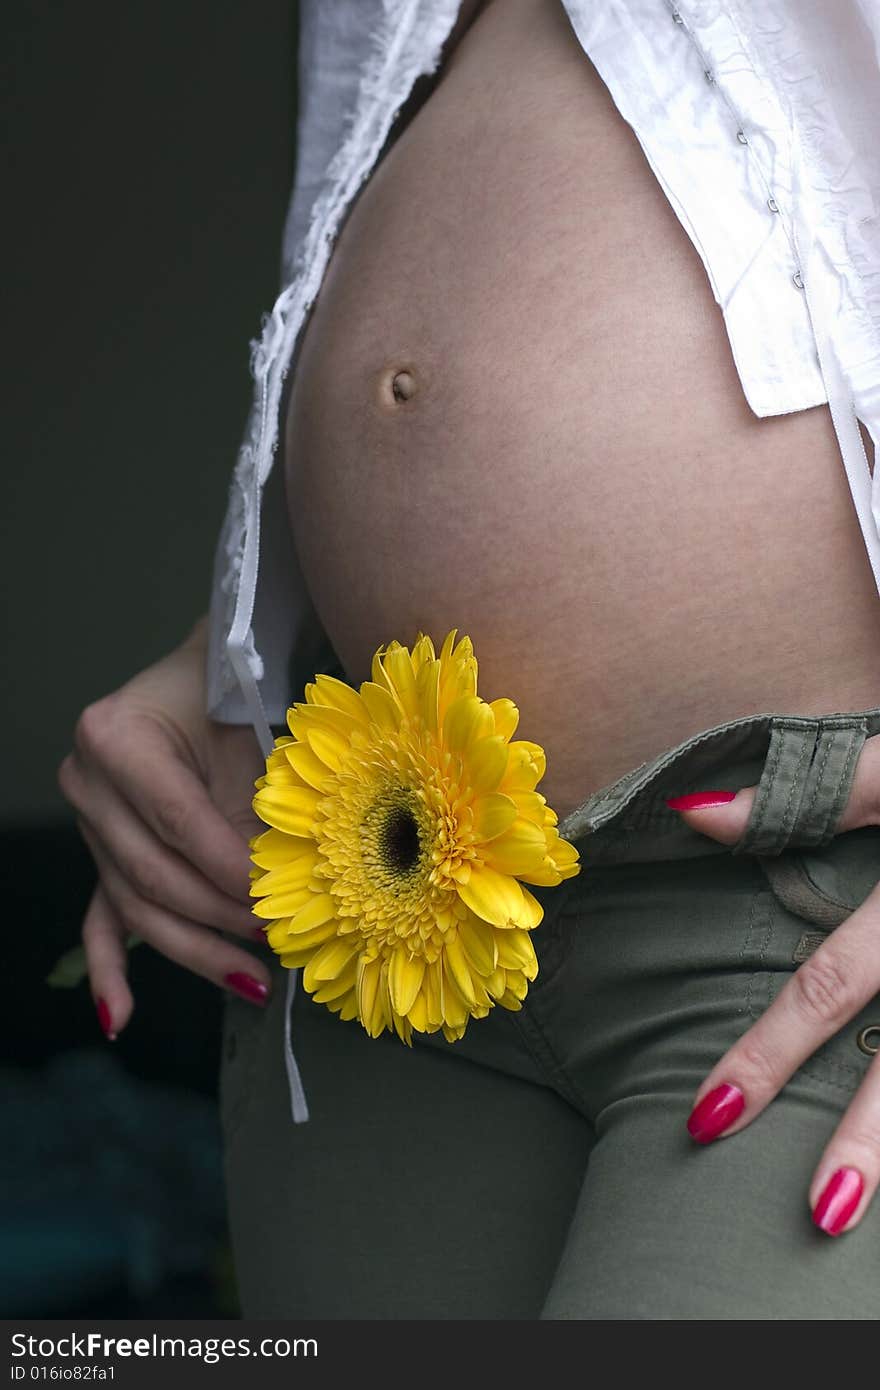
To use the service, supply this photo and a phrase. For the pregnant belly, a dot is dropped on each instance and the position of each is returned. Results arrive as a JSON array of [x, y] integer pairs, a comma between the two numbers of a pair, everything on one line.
[[514, 411]]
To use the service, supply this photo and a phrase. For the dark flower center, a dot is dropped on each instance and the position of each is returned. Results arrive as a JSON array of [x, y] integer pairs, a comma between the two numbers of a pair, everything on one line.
[[399, 840]]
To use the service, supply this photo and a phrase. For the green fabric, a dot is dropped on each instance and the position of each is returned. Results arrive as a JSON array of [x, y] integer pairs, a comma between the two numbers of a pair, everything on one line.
[[540, 1167]]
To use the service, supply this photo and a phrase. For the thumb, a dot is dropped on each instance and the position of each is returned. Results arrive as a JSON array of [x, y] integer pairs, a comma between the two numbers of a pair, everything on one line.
[[723, 815]]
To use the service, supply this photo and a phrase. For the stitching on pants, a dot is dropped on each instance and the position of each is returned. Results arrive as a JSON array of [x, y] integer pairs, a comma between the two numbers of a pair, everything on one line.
[[842, 791], [763, 794], [788, 820], [747, 939], [820, 774], [538, 1044], [757, 900]]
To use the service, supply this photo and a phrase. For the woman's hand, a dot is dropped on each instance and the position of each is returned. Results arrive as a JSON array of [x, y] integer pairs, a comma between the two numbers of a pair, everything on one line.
[[163, 799], [823, 994]]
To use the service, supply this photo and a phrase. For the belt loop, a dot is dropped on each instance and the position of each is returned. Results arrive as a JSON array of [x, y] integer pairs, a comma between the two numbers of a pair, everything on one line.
[[805, 783]]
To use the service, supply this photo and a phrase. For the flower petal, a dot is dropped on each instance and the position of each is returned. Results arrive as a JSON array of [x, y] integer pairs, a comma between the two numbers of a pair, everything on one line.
[[526, 766], [459, 968], [403, 1028], [495, 897], [283, 904], [331, 691], [522, 847], [423, 653], [446, 649], [369, 995], [405, 977], [467, 720], [427, 690], [295, 960], [493, 815], [418, 1014], [322, 908], [287, 877], [431, 991], [516, 952], [308, 941], [496, 983], [329, 961], [308, 765], [506, 717], [401, 678], [451, 1001], [480, 945], [530, 805], [272, 848], [486, 764], [291, 809], [335, 989], [533, 914], [301, 718], [381, 706], [279, 772], [544, 876], [458, 672], [333, 749]]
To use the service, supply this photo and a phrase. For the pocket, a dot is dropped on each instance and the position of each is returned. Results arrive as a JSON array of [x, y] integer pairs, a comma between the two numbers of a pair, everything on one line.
[[553, 937], [824, 886], [812, 891]]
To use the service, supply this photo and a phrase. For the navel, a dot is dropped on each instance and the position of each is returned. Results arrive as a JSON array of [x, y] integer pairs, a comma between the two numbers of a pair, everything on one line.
[[398, 385], [403, 385]]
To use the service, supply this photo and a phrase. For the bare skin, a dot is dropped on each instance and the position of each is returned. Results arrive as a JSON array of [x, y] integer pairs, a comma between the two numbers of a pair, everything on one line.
[[515, 411]]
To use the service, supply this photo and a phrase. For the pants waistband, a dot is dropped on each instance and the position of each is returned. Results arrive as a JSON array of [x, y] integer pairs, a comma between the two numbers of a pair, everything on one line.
[[803, 768]]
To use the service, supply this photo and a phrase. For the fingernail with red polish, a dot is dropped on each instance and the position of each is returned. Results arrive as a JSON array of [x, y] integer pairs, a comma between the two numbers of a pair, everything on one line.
[[840, 1197], [260, 935], [695, 801], [105, 1020], [249, 988], [715, 1113]]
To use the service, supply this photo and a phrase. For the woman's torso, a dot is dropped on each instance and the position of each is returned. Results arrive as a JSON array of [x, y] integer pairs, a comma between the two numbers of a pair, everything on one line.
[[570, 473]]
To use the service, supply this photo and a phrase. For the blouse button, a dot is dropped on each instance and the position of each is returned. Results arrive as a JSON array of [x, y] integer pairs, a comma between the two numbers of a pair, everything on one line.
[[798, 279], [772, 205]]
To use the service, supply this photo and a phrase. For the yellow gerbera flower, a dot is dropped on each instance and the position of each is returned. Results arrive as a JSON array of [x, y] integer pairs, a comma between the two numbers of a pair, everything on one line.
[[404, 825]]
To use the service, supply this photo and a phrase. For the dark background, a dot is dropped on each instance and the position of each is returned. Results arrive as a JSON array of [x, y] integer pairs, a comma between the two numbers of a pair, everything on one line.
[[148, 167]]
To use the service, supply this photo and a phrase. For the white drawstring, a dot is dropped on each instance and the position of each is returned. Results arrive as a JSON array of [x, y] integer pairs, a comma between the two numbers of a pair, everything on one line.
[[239, 633], [298, 1104]]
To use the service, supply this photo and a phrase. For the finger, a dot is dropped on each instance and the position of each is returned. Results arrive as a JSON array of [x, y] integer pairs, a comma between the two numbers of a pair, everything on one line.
[[821, 996], [103, 937], [725, 820], [155, 871], [848, 1173], [199, 949], [174, 801]]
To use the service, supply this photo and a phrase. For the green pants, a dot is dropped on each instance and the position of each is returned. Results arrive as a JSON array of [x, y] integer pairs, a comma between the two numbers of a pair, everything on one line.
[[540, 1167]]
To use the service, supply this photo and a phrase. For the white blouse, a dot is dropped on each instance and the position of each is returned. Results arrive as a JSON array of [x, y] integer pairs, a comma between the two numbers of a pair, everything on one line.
[[761, 122]]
